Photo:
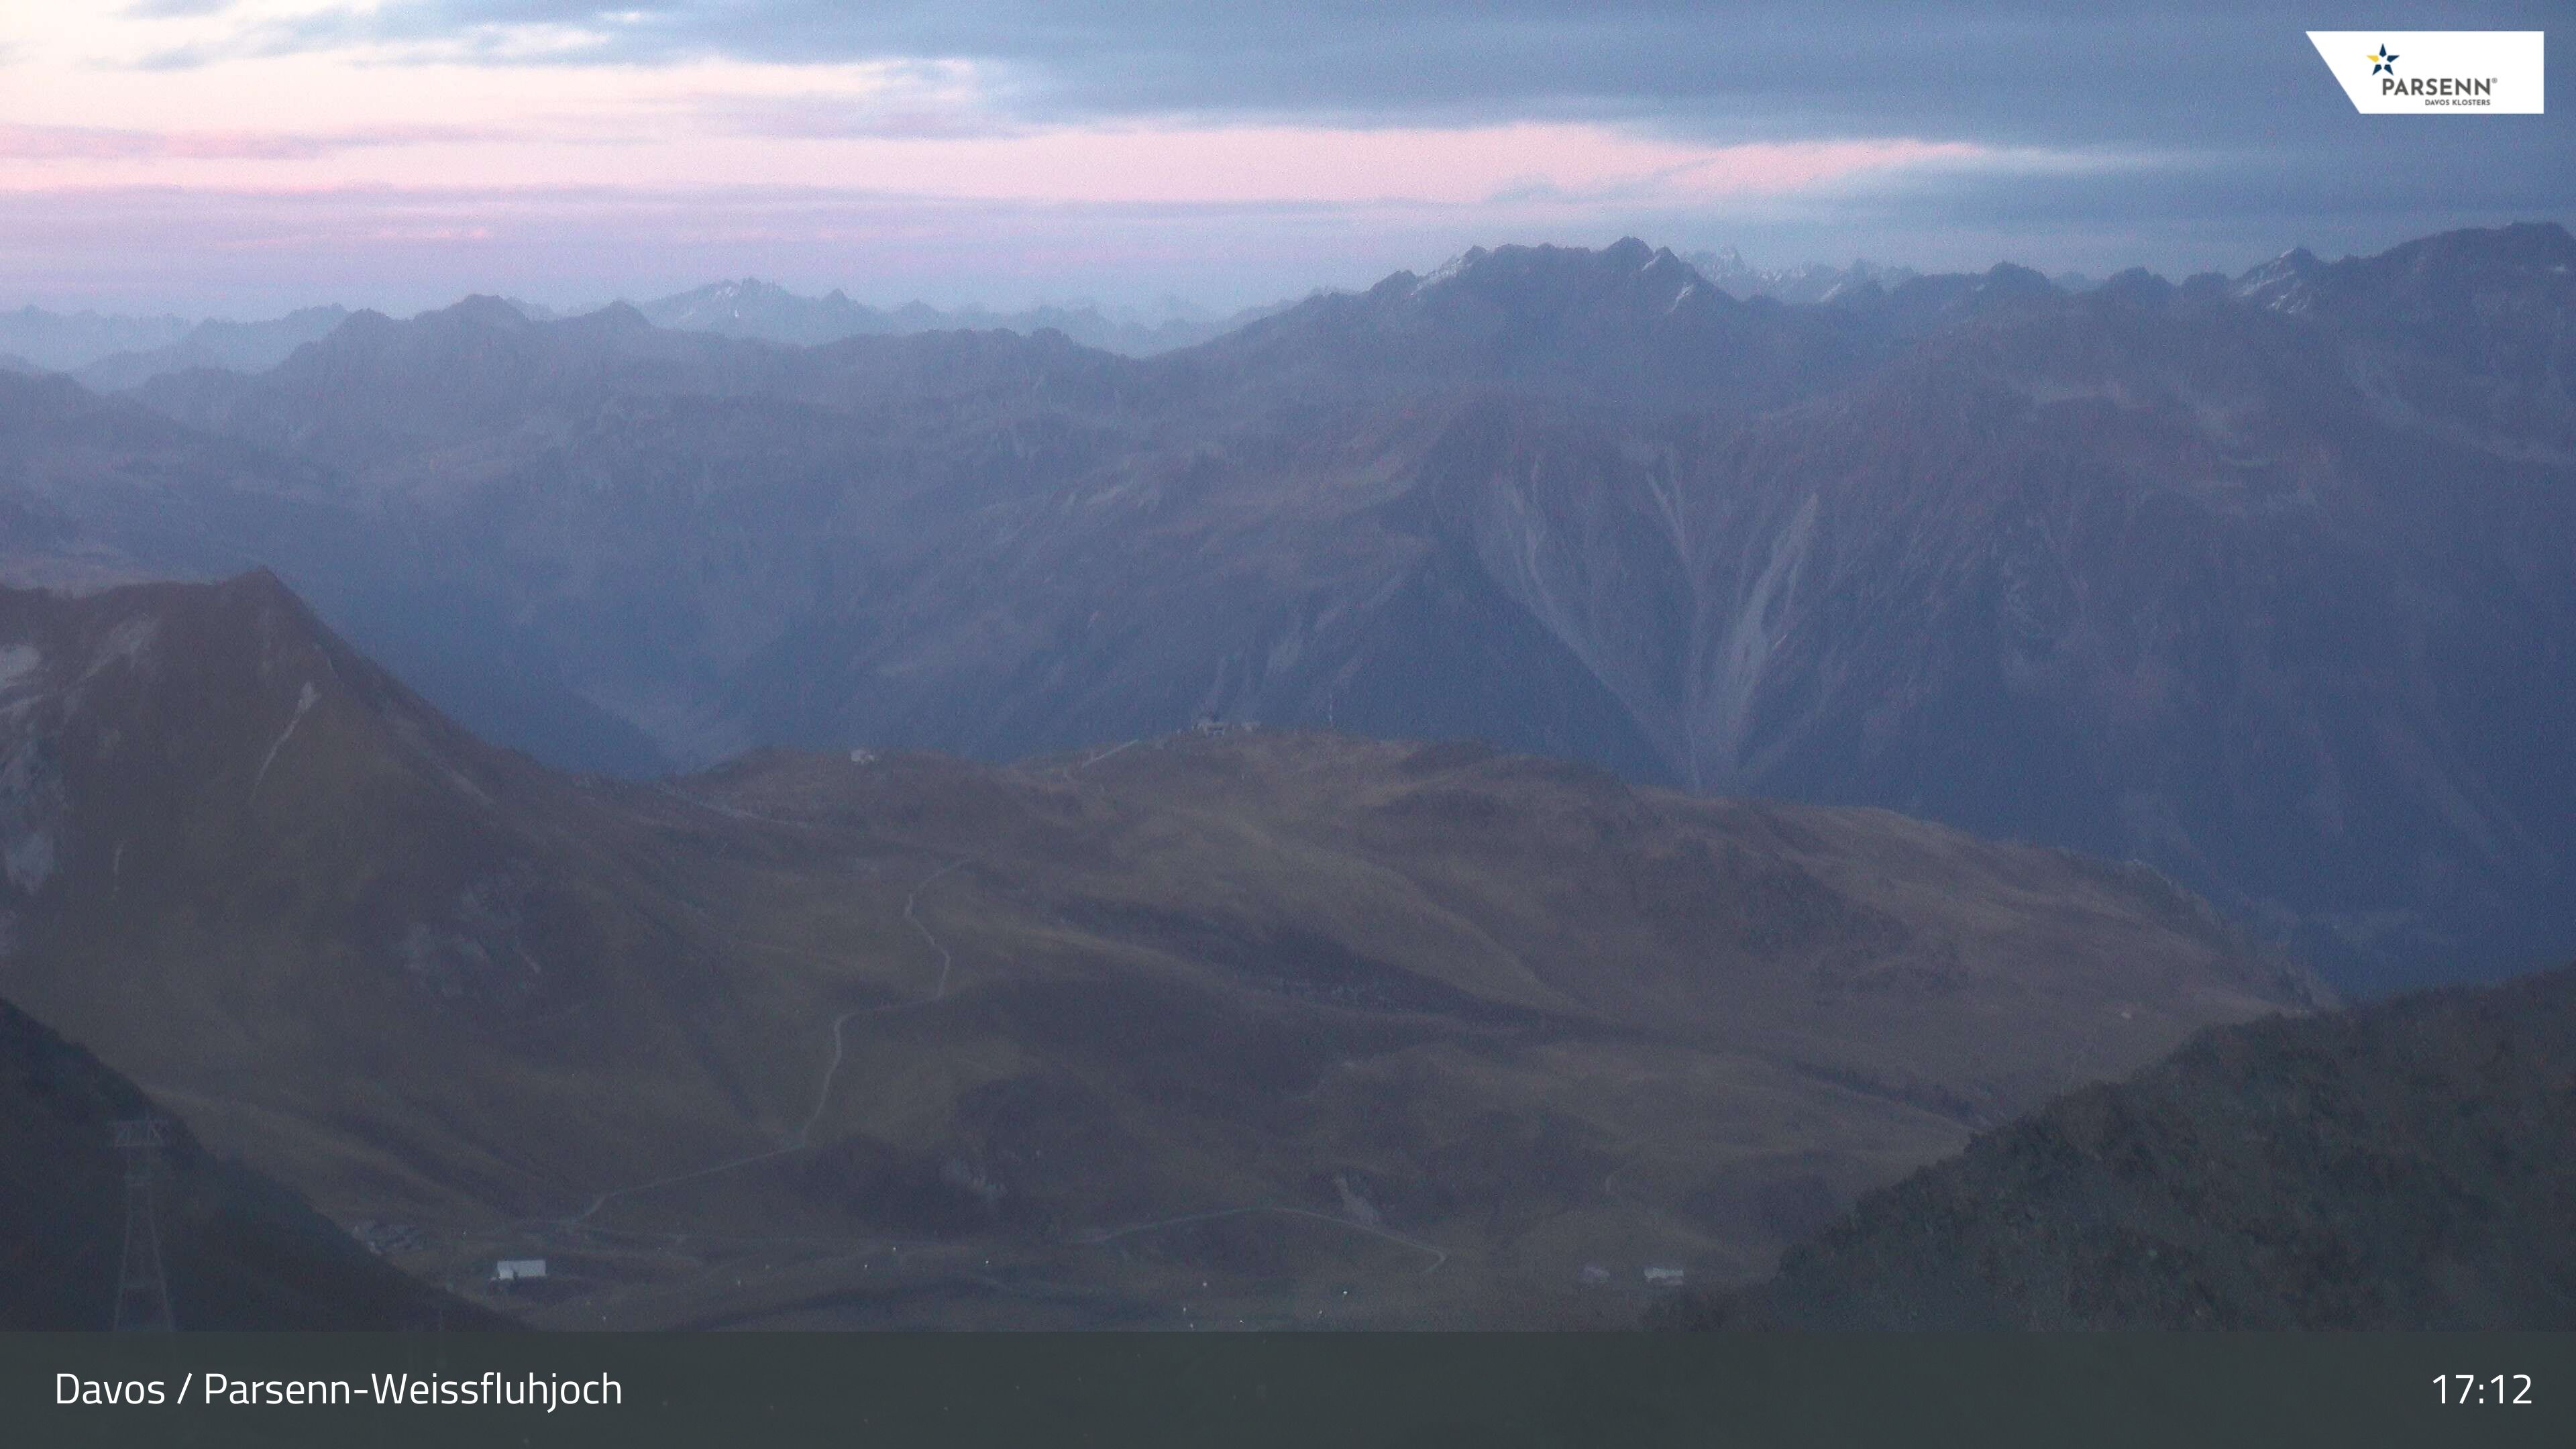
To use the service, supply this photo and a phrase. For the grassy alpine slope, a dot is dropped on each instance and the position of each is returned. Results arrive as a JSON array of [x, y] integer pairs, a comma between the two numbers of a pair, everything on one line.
[[1254, 1028]]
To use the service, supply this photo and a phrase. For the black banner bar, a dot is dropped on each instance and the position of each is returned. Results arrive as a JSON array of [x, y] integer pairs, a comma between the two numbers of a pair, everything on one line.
[[751, 1391]]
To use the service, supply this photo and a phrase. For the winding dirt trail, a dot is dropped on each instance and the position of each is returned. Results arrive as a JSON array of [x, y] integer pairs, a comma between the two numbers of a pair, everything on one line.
[[939, 992], [798, 1140], [801, 1138]]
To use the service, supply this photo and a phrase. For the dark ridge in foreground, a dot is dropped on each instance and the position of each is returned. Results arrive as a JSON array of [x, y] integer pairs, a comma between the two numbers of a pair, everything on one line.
[[240, 1251], [2402, 1166]]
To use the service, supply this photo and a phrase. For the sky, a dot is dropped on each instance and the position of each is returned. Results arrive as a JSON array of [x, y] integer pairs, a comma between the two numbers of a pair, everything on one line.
[[242, 157]]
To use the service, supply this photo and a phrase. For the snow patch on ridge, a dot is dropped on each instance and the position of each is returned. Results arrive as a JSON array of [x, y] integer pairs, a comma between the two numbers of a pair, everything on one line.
[[303, 703], [128, 642]]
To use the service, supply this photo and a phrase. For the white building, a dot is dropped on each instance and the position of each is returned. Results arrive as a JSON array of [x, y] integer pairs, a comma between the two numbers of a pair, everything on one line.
[[512, 1270]]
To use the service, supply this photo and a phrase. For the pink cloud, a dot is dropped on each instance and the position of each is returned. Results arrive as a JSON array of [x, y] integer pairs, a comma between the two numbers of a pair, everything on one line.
[[102, 144]]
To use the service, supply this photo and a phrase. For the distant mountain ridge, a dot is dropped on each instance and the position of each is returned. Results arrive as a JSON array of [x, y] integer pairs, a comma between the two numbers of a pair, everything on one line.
[[754, 308], [111, 353], [60, 342], [234, 346]]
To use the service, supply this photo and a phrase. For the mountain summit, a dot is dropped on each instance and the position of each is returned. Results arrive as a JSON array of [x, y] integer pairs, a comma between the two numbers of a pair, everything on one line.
[[1629, 326]]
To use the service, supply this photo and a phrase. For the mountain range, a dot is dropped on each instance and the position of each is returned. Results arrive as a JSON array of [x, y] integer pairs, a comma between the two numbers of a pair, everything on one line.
[[62, 341], [754, 308], [233, 346], [110, 353], [2258, 580], [1228, 1026]]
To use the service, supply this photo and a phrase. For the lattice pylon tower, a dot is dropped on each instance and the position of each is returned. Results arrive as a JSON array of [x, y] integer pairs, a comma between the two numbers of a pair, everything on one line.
[[142, 1292]]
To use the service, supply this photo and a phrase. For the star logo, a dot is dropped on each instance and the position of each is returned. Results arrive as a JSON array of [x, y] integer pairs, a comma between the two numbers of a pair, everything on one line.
[[2382, 60]]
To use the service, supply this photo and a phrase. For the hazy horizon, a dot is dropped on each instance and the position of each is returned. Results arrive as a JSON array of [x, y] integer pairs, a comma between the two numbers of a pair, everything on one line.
[[241, 158], [1140, 309]]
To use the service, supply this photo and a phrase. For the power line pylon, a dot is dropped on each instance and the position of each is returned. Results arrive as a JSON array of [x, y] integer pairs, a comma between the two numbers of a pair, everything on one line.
[[142, 1293]]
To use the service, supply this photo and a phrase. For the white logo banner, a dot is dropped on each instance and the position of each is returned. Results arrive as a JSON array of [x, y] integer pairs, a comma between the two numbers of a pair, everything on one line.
[[2437, 72]]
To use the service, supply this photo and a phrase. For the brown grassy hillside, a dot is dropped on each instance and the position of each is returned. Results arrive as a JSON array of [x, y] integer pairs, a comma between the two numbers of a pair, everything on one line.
[[1254, 1028]]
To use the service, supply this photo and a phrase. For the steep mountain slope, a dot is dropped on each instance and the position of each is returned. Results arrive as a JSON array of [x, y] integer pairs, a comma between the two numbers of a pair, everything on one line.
[[2262, 583], [99, 489], [229, 840], [2465, 336], [238, 1250], [1285, 1028], [2163, 580], [2400, 1166]]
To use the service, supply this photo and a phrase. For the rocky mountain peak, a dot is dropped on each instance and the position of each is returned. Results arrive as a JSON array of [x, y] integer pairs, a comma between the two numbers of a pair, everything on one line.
[[2280, 284], [481, 311]]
